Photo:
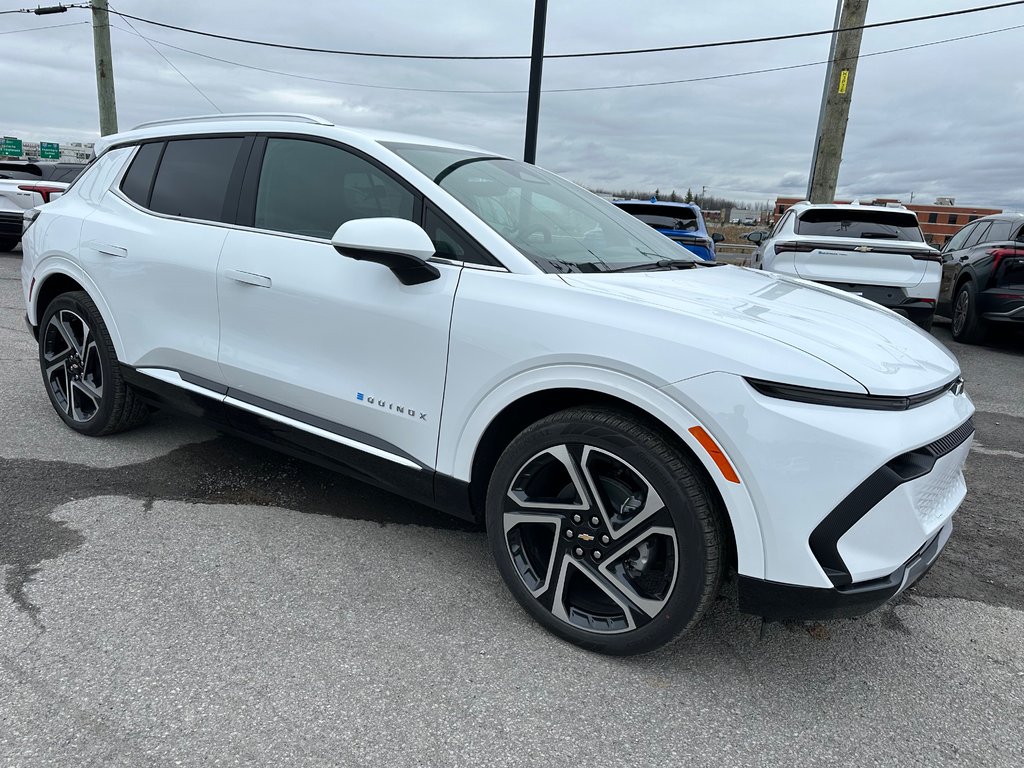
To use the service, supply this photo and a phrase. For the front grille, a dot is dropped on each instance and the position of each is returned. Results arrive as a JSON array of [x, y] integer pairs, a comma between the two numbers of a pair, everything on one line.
[[949, 443]]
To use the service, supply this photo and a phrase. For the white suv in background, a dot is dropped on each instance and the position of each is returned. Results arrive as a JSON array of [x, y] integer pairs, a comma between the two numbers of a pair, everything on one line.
[[473, 332], [871, 251]]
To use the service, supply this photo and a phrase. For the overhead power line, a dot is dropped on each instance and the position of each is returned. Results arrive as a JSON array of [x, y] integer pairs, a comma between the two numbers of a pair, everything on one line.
[[627, 52], [47, 26], [184, 77], [45, 10], [582, 89]]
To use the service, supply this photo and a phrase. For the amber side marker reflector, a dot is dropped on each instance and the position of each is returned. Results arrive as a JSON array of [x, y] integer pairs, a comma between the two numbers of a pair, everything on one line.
[[715, 453]]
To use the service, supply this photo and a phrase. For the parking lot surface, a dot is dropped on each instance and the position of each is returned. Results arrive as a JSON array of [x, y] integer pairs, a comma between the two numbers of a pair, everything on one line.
[[178, 597]]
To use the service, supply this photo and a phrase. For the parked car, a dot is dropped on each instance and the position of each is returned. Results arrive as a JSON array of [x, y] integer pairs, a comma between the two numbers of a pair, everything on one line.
[[875, 252], [483, 336], [23, 186], [983, 276], [681, 222]]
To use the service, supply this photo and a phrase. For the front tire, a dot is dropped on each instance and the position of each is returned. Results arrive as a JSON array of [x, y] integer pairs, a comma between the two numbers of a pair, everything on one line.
[[8, 244], [967, 327], [604, 530], [80, 369]]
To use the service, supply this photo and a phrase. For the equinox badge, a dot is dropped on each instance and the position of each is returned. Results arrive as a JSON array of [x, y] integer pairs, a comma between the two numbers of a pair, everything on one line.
[[394, 408]]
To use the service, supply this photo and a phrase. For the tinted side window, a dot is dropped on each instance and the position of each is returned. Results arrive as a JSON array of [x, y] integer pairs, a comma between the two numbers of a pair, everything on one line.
[[999, 231], [978, 235], [309, 188], [957, 241], [450, 242], [139, 179], [193, 177]]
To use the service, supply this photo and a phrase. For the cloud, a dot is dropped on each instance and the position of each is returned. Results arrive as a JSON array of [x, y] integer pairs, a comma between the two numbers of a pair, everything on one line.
[[941, 120]]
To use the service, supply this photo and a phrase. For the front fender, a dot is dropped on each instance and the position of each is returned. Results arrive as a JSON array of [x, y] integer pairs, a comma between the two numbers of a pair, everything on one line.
[[456, 448]]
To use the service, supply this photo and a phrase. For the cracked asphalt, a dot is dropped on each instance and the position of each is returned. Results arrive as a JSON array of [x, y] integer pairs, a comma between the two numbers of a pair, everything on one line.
[[178, 597]]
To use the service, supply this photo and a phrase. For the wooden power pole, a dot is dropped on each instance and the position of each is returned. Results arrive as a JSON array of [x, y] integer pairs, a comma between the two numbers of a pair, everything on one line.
[[832, 128], [104, 67]]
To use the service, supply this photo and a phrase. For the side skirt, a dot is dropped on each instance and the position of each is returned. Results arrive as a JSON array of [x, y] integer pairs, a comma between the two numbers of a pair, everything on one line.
[[292, 434]]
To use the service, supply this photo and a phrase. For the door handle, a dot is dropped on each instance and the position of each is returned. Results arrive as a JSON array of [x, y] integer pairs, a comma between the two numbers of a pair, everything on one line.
[[248, 278], [109, 250]]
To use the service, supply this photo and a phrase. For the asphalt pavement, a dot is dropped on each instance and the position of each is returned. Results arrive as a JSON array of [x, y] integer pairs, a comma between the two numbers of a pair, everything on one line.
[[178, 597]]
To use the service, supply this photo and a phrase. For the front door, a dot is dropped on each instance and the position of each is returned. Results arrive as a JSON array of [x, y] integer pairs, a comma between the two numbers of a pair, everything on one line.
[[337, 344]]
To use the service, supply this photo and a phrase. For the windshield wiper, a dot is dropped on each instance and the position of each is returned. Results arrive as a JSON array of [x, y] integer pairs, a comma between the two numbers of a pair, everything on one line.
[[660, 264]]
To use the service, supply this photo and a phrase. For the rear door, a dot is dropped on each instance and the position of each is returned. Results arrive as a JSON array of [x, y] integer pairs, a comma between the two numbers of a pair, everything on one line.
[[327, 341], [868, 246], [152, 247]]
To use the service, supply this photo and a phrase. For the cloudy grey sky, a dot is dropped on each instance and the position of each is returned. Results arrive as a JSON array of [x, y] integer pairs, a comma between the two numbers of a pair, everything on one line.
[[940, 120]]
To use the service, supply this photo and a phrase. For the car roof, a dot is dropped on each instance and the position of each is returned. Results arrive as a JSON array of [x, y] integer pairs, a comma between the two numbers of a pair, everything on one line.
[[271, 122], [659, 202], [999, 217]]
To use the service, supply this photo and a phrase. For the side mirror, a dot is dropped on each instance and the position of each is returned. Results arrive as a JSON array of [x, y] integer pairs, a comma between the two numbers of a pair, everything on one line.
[[400, 245], [755, 237], [717, 237]]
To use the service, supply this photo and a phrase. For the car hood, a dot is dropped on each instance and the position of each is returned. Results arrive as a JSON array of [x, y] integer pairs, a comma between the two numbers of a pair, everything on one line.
[[885, 353]]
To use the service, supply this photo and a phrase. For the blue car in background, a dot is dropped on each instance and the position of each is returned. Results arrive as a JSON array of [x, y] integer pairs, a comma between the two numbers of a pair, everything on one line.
[[681, 222]]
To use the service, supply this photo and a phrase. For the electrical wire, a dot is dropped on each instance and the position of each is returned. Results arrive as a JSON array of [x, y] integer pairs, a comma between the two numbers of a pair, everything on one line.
[[558, 90], [48, 26], [689, 47], [172, 66]]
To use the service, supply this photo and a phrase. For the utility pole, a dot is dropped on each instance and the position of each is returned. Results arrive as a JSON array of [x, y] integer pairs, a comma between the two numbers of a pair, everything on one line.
[[832, 133], [540, 17], [104, 67]]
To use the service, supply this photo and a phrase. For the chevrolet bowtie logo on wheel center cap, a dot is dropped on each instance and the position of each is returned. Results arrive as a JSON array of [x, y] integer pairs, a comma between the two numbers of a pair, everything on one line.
[[585, 537]]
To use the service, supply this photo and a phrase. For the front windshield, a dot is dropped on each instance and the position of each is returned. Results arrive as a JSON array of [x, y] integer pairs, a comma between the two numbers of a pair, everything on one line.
[[554, 223]]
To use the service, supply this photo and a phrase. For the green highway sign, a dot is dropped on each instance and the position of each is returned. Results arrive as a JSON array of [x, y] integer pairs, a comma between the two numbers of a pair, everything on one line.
[[10, 147], [49, 151]]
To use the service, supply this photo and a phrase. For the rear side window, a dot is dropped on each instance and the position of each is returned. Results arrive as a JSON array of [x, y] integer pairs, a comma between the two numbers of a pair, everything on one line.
[[139, 179], [310, 188], [193, 178], [999, 231], [880, 223]]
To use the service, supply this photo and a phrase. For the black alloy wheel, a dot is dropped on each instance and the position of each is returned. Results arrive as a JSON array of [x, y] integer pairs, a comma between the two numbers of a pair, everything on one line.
[[603, 531], [80, 369], [967, 327]]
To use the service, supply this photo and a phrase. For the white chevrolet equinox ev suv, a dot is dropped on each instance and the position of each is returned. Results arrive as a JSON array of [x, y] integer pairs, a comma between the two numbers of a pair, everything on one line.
[[628, 421]]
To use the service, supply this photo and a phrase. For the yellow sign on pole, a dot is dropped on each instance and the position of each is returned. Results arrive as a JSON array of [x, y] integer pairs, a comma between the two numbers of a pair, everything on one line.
[[844, 77]]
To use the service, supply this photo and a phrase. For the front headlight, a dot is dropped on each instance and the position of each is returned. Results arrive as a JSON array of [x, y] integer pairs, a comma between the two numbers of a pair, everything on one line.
[[852, 399]]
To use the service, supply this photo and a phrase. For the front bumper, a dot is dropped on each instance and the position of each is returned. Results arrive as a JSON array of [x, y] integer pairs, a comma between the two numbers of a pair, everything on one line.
[[842, 496], [914, 308], [792, 602]]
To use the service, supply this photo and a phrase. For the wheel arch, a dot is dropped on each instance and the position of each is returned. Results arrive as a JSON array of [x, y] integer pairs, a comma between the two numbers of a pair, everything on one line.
[[60, 276], [512, 408]]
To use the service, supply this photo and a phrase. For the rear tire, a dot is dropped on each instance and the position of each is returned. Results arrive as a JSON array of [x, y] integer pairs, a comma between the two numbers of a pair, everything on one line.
[[80, 369], [8, 244], [604, 531], [967, 327]]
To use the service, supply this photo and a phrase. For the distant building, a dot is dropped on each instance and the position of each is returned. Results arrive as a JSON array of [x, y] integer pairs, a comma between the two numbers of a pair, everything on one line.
[[939, 220]]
